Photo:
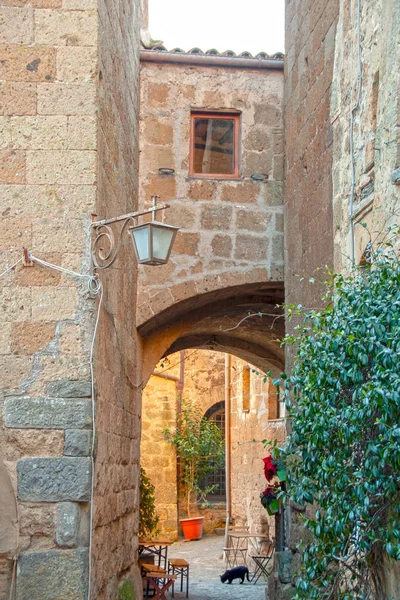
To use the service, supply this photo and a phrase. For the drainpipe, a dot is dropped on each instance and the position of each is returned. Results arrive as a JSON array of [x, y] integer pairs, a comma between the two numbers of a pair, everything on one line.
[[228, 362], [179, 381]]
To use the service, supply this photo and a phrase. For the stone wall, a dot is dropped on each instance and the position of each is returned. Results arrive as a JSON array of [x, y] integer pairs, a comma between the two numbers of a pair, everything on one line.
[[202, 385], [47, 187], [60, 112], [252, 420], [310, 43], [157, 457], [376, 144], [118, 370], [231, 230]]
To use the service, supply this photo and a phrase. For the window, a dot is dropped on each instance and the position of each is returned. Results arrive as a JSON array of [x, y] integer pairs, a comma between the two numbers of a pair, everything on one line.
[[214, 145], [246, 382], [216, 414]]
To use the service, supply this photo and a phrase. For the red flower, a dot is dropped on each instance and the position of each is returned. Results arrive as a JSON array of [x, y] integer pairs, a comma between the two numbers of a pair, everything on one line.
[[270, 468], [268, 495]]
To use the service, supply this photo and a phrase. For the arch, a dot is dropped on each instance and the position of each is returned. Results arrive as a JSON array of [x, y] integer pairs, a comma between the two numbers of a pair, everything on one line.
[[244, 320]]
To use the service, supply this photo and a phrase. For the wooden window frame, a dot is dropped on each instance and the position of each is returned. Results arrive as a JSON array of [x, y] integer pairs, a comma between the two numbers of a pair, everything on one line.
[[218, 116]]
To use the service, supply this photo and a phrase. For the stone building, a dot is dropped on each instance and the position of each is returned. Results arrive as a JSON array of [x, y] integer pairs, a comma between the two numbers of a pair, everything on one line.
[[69, 104]]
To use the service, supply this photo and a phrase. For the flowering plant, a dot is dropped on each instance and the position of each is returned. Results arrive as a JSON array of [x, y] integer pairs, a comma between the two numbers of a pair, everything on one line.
[[270, 468], [270, 494]]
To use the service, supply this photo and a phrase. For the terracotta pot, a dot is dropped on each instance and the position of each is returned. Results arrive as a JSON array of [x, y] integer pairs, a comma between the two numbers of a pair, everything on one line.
[[273, 507], [192, 528]]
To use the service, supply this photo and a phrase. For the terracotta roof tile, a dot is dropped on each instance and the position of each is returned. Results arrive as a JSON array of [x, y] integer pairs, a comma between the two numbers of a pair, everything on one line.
[[214, 52]]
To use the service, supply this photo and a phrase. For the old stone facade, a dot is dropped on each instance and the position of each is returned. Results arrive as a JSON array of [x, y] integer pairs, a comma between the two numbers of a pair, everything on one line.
[[69, 122], [64, 105], [231, 230]]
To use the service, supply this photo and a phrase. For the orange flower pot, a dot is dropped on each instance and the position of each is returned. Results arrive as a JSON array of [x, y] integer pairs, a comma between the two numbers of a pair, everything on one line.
[[192, 528]]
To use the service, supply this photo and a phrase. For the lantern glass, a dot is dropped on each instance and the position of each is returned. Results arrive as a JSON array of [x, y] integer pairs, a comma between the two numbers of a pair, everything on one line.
[[153, 242], [141, 243], [162, 239]]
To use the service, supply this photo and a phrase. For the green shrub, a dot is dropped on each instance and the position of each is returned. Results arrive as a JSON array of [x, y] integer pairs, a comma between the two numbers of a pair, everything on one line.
[[343, 399], [148, 518]]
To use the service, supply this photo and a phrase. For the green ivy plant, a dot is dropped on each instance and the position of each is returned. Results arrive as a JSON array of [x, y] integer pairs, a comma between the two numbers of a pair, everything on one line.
[[148, 518], [343, 452], [200, 448]]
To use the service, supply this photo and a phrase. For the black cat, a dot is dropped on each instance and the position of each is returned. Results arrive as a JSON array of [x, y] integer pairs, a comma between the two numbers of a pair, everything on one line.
[[236, 573]]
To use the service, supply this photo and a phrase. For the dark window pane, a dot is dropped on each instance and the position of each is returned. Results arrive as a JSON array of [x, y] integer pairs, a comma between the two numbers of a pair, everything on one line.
[[217, 479], [214, 146]]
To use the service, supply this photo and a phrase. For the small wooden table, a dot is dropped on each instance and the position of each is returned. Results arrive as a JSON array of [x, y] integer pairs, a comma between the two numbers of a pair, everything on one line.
[[157, 548]]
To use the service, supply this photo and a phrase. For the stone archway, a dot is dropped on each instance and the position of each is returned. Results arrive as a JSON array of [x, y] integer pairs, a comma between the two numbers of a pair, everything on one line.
[[220, 320], [242, 321]]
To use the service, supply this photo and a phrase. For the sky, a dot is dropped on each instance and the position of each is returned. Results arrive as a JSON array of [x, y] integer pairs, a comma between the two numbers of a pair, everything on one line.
[[238, 25]]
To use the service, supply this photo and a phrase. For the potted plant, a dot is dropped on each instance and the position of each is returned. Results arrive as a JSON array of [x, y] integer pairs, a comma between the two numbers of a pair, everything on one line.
[[200, 450]]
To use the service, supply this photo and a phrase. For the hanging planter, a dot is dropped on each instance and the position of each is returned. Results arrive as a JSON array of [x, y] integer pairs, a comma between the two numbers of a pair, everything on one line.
[[269, 499], [281, 474], [273, 507]]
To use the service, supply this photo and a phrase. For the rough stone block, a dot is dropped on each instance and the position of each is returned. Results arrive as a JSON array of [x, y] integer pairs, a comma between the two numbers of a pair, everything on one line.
[[20, 443], [17, 98], [187, 243], [39, 133], [158, 132], [14, 369], [16, 25], [23, 63], [66, 99], [69, 389], [251, 248], [66, 28], [12, 166], [67, 524], [253, 220], [61, 574], [54, 479], [76, 64], [34, 3], [64, 167], [39, 275], [82, 133], [221, 245], [242, 193], [216, 217], [5, 338], [53, 304], [27, 338], [47, 413], [77, 442]]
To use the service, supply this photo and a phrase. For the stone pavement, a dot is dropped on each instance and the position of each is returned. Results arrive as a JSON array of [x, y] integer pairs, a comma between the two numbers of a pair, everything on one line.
[[205, 557]]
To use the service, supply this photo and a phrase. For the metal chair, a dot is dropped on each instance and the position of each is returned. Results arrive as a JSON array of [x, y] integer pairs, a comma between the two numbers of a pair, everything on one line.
[[262, 560], [232, 553]]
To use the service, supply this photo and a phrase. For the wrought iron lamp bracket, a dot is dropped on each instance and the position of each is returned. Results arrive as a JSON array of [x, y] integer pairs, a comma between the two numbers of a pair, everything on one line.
[[107, 244]]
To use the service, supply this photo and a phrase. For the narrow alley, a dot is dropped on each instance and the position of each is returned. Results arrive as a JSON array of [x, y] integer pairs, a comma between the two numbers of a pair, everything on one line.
[[206, 561]]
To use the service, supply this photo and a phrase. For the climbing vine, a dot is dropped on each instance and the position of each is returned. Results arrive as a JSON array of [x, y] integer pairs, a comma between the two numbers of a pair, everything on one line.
[[343, 399]]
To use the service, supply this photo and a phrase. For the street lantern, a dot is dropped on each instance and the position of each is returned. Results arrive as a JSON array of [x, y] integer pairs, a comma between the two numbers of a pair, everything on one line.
[[153, 242]]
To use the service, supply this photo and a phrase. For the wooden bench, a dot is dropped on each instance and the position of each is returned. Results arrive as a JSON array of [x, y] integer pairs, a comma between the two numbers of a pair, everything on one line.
[[156, 580]]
